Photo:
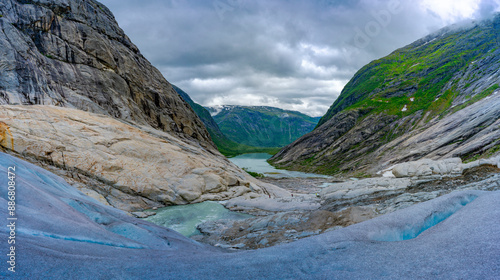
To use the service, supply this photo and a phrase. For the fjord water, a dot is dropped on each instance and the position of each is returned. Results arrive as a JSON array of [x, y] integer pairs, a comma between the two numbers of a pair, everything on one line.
[[257, 162], [185, 218]]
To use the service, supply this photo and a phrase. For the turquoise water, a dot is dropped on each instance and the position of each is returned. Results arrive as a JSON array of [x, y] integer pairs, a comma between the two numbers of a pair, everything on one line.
[[185, 218], [257, 162], [413, 230]]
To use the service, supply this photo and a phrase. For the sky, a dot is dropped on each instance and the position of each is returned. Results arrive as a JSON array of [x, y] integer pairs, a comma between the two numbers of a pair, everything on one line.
[[292, 54]]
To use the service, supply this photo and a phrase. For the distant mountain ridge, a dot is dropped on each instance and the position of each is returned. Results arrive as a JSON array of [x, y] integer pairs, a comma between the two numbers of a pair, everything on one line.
[[261, 126], [421, 89], [225, 145]]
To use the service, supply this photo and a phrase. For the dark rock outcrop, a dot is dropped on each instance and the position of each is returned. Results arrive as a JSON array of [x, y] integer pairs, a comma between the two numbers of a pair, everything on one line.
[[74, 54]]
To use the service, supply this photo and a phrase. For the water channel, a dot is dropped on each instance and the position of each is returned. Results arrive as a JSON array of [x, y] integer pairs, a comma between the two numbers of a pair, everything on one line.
[[185, 218]]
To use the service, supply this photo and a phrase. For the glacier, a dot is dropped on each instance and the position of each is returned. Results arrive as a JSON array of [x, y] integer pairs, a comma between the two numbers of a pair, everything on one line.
[[63, 234]]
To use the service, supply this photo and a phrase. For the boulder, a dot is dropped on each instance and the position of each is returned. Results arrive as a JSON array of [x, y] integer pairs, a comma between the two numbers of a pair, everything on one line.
[[427, 167]]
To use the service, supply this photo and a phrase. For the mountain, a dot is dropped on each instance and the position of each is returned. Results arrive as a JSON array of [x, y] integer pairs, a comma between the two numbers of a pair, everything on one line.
[[261, 126], [225, 145], [436, 98], [79, 99], [205, 117], [73, 54]]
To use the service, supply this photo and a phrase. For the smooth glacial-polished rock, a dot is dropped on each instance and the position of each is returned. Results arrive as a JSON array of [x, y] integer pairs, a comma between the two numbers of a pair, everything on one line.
[[361, 192], [131, 168], [426, 167]]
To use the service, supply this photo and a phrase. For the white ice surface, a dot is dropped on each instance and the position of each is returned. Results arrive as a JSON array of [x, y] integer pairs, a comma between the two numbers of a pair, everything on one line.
[[65, 235]]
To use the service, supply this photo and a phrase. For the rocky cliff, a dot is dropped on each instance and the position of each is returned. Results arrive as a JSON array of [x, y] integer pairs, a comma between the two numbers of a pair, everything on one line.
[[74, 54], [434, 98], [79, 99]]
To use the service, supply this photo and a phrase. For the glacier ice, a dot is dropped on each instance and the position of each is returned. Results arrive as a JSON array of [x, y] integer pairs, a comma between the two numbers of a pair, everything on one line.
[[65, 235], [410, 231]]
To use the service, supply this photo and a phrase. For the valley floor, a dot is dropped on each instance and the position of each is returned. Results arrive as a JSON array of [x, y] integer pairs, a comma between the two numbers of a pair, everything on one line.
[[314, 213], [64, 234]]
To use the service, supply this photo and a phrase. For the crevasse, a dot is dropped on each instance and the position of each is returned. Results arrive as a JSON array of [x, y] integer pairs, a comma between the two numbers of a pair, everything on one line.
[[412, 231]]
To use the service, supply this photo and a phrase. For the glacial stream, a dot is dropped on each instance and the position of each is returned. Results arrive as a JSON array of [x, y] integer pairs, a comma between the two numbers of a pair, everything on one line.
[[185, 218]]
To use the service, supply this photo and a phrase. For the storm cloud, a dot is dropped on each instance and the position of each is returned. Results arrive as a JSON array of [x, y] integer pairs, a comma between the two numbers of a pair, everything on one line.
[[291, 54]]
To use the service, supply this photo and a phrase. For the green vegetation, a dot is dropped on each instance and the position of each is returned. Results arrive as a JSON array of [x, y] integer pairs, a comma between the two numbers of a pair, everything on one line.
[[260, 126], [477, 97], [253, 174], [482, 154], [400, 93], [226, 146], [231, 149], [421, 71]]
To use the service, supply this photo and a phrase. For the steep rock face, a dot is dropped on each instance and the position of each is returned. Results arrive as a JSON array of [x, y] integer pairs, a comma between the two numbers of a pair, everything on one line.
[[417, 102], [204, 115], [131, 168], [74, 54], [468, 133]]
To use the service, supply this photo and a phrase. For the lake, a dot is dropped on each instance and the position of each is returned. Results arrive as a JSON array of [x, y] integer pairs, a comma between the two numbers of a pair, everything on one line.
[[257, 162]]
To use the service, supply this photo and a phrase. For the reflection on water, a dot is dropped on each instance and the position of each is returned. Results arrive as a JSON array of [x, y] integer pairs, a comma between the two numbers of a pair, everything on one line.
[[258, 163], [185, 218]]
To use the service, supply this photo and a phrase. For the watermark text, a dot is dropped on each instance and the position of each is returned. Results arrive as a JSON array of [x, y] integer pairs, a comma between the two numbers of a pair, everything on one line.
[[11, 219]]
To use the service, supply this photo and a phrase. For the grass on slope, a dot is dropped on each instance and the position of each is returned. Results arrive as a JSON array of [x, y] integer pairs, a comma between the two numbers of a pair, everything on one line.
[[419, 71]]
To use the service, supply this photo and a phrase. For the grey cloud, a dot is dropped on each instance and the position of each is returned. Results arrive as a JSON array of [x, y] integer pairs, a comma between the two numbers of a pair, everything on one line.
[[299, 53], [487, 8]]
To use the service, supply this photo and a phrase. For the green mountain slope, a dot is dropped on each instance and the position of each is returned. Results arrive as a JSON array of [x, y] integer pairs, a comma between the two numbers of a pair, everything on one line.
[[403, 93], [262, 126], [226, 146], [422, 70]]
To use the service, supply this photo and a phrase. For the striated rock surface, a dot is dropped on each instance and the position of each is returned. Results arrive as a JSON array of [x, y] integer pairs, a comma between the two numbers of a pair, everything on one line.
[[278, 228], [131, 168], [74, 54], [468, 134]]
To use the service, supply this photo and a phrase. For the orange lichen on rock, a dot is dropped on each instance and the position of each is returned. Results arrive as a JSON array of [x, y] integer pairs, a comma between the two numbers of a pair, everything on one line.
[[6, 139]]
